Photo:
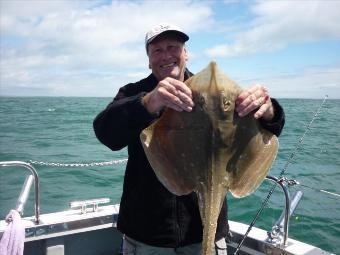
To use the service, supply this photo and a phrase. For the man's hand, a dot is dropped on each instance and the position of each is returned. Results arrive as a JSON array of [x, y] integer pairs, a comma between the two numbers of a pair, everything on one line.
[[255, 98], [170, 93]]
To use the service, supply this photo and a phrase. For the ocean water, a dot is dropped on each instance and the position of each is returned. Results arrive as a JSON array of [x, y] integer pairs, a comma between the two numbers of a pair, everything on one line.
[[60, 130]]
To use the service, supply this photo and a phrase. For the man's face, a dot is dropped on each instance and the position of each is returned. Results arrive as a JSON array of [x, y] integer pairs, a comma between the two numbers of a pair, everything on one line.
[[167, 57]]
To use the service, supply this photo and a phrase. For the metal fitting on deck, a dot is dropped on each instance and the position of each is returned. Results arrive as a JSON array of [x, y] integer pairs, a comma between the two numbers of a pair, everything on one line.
[[83, 205]]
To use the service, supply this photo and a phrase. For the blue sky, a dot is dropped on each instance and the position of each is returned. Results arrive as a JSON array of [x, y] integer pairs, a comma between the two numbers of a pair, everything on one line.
[[91, 48]]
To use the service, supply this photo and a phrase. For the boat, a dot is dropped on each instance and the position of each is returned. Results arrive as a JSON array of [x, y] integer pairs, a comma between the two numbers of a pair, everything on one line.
[[89, 227]]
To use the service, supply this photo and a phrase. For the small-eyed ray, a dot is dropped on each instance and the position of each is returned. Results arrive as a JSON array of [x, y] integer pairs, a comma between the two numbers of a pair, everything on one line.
[[210, 150]]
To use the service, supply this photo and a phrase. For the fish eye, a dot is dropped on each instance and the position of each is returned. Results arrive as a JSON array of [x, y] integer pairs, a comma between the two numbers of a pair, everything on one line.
[[201, 100], [225, 103]]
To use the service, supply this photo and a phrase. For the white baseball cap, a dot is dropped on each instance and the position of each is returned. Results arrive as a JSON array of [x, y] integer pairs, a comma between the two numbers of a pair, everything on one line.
[[164, 28]]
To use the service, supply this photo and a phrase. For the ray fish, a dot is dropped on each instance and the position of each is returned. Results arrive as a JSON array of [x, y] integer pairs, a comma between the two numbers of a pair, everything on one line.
[[210, 150]]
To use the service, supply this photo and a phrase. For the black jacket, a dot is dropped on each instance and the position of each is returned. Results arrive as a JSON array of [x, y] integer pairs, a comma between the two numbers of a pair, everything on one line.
[[149, 213]]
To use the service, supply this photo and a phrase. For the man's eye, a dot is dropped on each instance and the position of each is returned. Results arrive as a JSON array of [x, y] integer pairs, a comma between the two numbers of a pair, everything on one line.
[[172, 47], [156, 51]]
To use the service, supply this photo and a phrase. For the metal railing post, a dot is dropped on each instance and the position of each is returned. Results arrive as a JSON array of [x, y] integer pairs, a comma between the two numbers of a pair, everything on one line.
[[36, 183]]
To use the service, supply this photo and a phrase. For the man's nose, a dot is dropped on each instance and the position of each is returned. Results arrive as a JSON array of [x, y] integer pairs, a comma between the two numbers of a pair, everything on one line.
[[166, 54]]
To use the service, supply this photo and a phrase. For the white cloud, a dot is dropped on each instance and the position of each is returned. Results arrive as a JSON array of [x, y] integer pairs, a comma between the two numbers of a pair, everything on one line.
[[49, 45], [312, 82], [94, 47], [278, 23], [37, 8]]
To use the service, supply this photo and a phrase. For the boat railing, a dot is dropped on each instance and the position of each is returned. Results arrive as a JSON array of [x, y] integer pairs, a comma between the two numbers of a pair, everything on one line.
[[25, 190], [280, 230], [277, 236], [26, 187]]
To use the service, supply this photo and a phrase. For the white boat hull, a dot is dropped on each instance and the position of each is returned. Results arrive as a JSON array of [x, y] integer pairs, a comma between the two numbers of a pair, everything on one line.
[[72, 232]]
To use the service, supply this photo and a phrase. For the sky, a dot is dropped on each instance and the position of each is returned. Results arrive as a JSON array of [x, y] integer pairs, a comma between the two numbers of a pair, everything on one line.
[[92, 48]]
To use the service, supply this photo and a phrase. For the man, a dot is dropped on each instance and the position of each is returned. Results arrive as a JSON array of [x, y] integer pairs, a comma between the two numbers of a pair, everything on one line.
[[153, 220]]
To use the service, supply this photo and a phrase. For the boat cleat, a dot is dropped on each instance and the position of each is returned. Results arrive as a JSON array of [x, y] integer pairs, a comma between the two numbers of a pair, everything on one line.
[[84, 205]]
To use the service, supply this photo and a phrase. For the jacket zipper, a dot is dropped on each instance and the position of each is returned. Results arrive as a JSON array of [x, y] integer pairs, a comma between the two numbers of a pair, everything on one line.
[[177, 225]]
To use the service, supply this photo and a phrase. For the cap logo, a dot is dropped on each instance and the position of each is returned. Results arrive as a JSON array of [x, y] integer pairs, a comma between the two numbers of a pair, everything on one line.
[[159, 29]]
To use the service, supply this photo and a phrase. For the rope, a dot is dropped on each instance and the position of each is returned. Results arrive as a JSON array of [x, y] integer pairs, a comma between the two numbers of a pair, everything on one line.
[[55, 164], [320, 190]]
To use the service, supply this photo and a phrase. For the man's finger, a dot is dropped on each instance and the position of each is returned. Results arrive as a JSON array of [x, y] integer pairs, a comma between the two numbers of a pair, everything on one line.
[[185, 98], [251, 103], [175, 102], [260, 112], [166, 85], [180, 86]]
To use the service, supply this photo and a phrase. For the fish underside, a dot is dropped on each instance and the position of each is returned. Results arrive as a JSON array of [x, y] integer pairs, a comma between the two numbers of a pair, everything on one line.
[[210, 150]]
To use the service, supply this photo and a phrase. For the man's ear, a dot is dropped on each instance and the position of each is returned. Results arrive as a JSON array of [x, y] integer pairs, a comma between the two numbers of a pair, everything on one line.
[[186, 54]]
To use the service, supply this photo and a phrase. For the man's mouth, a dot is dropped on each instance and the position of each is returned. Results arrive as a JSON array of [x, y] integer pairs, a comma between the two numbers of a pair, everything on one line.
[[169, 65]]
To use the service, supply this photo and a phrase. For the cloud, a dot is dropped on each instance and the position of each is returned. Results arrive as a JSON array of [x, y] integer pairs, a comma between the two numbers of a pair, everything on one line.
[[311, 82], [50, 44], [74, 26], [36, 8], [279, 23], [91, 48]]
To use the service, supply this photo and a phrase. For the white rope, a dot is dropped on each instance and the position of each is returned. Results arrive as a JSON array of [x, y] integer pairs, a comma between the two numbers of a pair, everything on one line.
[[56, 164]]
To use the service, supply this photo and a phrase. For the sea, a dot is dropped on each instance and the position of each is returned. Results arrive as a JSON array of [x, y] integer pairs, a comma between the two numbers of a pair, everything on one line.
[[59, 130]]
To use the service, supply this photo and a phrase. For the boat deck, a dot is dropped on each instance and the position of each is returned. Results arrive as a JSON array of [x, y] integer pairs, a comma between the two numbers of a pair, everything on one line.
[[94, 232]]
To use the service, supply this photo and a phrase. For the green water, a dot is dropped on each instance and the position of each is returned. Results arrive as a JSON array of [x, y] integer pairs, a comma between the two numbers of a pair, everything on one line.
[[60, 130]]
